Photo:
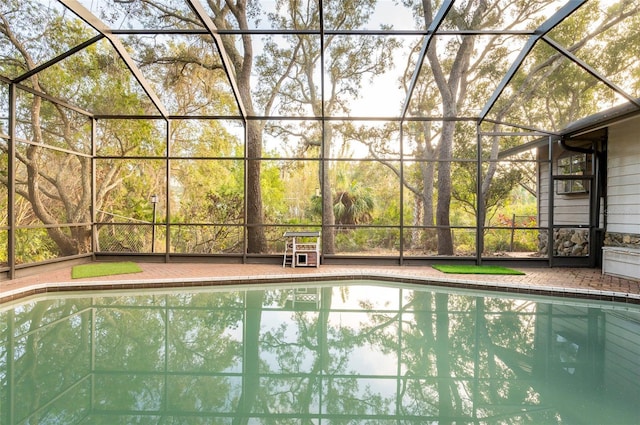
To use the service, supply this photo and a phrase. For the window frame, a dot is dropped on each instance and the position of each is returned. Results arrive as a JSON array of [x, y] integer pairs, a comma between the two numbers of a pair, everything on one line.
[[573, 164]]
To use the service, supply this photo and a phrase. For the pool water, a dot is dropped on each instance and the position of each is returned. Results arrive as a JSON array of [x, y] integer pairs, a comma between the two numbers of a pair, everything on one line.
[[327, 353]]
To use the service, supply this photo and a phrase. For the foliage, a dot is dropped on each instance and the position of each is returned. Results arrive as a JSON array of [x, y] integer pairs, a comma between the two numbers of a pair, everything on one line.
[[34, 245], [214, 170], [353, 204]]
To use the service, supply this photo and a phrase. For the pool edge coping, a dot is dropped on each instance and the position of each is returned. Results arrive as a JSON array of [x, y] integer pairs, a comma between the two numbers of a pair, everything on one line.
[[505, 287]]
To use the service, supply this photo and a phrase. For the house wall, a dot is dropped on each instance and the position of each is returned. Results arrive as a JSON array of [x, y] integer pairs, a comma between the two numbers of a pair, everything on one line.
[[568, 210], [623, 178], [571, 209], [621, 254], [621, 220]]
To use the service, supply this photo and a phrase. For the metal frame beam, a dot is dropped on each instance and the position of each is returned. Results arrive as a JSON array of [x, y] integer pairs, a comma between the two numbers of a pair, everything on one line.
[[480, 216], [540, 32], [433, 28], [582, 64], [86, 15], [59, 58], [199, 10], [210, 29], [11, 182], [521, 127], [262, 31], [53, 99]]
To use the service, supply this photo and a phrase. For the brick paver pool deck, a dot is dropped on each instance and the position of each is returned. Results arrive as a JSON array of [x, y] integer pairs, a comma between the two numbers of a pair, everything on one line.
[[570, 282]]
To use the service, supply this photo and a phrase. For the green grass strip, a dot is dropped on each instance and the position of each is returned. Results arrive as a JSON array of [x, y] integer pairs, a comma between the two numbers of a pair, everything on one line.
[[464, 269], [104, 269]]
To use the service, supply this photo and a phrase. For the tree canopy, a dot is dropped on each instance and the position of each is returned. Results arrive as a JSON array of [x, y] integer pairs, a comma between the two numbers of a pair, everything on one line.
[[247, 117]]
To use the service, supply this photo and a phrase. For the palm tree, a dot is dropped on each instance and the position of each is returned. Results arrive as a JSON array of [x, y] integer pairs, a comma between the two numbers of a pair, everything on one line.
[[351, 206]]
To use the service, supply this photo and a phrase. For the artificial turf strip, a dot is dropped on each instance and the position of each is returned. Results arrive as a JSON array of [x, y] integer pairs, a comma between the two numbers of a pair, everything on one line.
[[104, 269], [465, 269]]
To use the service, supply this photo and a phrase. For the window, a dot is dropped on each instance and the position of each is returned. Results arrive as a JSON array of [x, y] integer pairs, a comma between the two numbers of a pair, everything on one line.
[[573, 165]]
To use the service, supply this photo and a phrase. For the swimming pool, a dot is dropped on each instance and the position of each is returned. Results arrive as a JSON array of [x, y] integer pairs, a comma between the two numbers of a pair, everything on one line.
[[334, 352]]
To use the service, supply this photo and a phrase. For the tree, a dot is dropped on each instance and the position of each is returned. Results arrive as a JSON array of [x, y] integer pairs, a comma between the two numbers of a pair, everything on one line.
[[552, 91], [347, 62], [351, 205], [283, 78], [56, 184], [288, 72], [451, 74], [453, 70]]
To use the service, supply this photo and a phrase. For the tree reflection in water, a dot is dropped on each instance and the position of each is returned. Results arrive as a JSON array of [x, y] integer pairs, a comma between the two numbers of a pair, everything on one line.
[[332, 353]]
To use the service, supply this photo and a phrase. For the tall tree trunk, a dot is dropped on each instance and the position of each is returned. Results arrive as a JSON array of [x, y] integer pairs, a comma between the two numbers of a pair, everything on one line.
[[427, 168], [452, 88], [328, 216], [428, 180], [445, 239], [243, 66], [418, 211], [65, 245], [256, 239]]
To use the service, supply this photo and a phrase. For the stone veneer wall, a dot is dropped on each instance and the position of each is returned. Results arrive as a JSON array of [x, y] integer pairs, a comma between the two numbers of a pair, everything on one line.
[[570, 242], [575, 242], [628, 240]]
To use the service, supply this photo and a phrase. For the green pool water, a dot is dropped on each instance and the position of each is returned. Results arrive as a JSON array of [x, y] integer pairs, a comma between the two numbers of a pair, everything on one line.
[[324, 353]]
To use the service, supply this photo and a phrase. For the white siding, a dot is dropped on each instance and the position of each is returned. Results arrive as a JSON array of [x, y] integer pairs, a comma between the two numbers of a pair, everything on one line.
[[543, 194], [568, 209], [623, 178]]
